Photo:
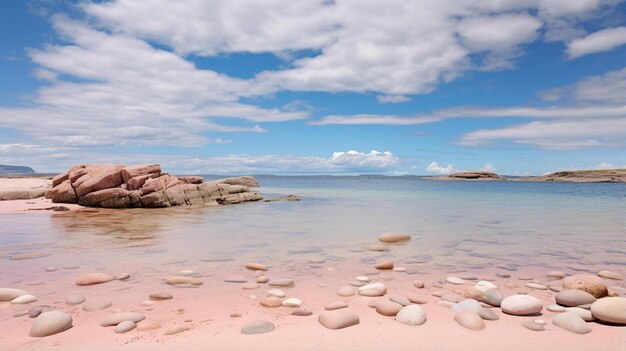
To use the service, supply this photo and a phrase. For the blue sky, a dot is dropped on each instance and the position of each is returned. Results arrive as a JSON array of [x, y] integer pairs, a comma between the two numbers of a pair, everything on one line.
[[317, 87]]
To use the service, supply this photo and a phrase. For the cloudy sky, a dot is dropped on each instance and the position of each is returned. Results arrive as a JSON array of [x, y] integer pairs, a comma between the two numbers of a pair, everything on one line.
[[314, 87]]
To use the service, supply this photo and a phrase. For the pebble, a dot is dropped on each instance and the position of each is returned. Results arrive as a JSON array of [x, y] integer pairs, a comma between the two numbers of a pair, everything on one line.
[[363, 278], [556, 287], [338, 319], [610, 275], [357, 283], [399, 299], [74, 299], [415, 298], [521, 305], [392, 237], [94, 278], [125, 326], [257, 327], [303, 312], [8, 294], [556, 275], [418, 283], [235, 315], [96, 305], [51, 269], [488, 314], [411, 315], [292, 302], [451, 297], [271, 301], [276, 292], [583, 313], [484, 285], [610, 309], [147, 303], [399, 269], [281, 282], [256, 266], [161, 296], [470, 292], [384, 265], [469, 319], [455, 280], [388, 308], [24, 299], [467, 304], [262, 279], [336, 305], [493, 297], [35, 311], [235, 279], [573, 298], [572, 322], [117, 318], [536, 286], [555, 308], [376, 247], [345, 291], [182, 280], [589, 283], [532, 325], [50, 323], [176, 329], [373, 289], [148, 325], [187, 272]]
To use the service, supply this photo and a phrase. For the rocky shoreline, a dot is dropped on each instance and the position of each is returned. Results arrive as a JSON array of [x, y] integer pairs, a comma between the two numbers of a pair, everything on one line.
[[590, 176]]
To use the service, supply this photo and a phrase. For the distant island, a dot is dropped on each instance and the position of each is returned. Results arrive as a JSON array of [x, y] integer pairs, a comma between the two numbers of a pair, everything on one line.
[[8, 169], [581, 176]]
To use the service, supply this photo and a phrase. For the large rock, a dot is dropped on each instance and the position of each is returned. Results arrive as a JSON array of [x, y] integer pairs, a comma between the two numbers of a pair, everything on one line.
[[119, 186], [610, 309], [589, 283], [50, 323]]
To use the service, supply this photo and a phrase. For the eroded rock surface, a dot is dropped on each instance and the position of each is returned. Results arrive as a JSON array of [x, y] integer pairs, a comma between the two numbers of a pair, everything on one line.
[[119, 186]]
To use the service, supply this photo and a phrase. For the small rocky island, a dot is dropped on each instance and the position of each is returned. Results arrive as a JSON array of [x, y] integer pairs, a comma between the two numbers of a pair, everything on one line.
[[587, 176], [121, 186]]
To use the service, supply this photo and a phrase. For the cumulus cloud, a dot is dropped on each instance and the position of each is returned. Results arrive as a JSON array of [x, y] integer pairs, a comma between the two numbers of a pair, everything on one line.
[[392, 99], [603, 40], [488, 167], [354, 159], [435, 168]]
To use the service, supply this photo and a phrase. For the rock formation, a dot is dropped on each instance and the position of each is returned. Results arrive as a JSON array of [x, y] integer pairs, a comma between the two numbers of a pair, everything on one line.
[[476, 175], [591, 176], [119, 186]]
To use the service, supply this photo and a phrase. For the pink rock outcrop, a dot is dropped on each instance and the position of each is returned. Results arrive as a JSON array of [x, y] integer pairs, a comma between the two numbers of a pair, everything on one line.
[[119, 186]]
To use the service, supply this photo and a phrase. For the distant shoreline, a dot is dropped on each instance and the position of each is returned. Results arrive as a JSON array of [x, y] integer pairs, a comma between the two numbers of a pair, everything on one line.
[[580, 176]]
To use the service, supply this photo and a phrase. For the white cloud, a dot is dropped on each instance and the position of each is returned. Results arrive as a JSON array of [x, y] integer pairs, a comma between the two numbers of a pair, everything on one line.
[[434, 167], [488, 167], [392, 99], [373, 159], [603, 40]]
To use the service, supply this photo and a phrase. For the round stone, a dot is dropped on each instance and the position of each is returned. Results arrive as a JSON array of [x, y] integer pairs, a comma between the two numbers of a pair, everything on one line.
[[555, 308], [50, 323], [610, 275], [338, 319], [292, 302], [373, 289], [393, 237], [384, 265], [262, 279], [415, 298], [488, 314], [536, 286], [556, 275], [345, 291], [418, 283], [94, 278], [253, 266], [302, 312], [257, 327], [96, 305], [573, 298], [402, 300], [276, 292], [363, 278], [24, 299], [125, 326], [467, 304], [271, 301], [74, 299], [455, 280], [336, 305], [589, 283], [281, 282], [469, 319], [148, 325], [532, 325], [493, 297], [388, 308], [572, 322], [521, 305], [235, 279], [583, 313], [411, 315], [161, 296], [610, 309], [119, 317], [8, 294], [182, 280], [484, 285]]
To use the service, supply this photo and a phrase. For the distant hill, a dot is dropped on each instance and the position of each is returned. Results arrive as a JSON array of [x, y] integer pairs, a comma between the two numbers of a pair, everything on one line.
[[7, 169]]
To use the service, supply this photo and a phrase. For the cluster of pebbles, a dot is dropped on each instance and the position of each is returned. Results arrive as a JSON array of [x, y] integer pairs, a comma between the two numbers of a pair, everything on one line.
[[579, 300]]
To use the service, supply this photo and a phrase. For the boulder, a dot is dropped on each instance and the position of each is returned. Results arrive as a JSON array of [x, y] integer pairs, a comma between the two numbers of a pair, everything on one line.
[[120, 186]]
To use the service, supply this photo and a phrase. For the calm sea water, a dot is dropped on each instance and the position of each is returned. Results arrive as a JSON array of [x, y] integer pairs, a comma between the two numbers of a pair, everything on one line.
[[475, 224]]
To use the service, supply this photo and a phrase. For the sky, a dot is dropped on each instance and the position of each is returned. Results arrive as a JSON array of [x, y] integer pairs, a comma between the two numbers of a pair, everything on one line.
[[395, 87]]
